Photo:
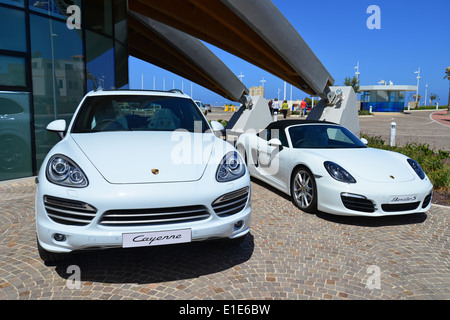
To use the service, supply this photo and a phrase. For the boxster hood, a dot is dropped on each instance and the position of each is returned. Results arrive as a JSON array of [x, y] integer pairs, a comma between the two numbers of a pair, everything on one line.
[[371, 164]]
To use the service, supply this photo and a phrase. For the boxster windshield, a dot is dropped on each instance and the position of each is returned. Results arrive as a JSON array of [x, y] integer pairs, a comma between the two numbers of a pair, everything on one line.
[[323, 136], [138, 113]]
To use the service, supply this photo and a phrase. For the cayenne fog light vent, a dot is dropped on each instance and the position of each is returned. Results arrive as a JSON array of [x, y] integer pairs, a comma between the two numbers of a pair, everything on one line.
[[231, 203], [69, 212]]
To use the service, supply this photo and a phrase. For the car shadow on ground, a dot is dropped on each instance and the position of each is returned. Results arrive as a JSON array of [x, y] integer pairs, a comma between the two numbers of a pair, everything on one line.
[[157, 264], [374, 222], [354, 220]]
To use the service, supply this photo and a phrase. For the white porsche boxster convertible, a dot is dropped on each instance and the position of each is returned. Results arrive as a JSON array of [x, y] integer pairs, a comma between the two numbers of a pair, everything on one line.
[[325, 167], [139, 168]]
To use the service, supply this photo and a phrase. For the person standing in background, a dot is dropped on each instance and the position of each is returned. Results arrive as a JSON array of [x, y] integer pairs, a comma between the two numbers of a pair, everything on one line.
[[303, 106], [276, 106], [270, 107], [284, 108]]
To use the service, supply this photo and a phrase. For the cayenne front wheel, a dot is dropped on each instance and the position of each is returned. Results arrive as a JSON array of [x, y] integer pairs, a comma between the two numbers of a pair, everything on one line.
[[303, 190]]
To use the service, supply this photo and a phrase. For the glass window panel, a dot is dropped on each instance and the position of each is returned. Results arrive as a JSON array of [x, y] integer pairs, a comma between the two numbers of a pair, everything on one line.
[[401, 96], [12, 21], [18, 3], [98, 16], [392, 96], [12, 71], [56, 62], [382, 96], [15, 138], [121, 59], [54, 8], [120, 20], [99, 62], [365, 96]]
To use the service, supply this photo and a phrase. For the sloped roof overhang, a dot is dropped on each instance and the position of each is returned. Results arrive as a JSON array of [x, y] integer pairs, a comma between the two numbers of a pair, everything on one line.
[[182, 54], [254, 30]]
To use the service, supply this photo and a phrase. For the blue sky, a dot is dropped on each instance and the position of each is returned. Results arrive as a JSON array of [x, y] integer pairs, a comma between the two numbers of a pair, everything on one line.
[[413, 34]]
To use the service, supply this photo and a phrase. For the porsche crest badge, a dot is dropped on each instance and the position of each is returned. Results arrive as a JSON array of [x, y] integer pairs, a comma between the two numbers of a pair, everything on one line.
[[155, 171]]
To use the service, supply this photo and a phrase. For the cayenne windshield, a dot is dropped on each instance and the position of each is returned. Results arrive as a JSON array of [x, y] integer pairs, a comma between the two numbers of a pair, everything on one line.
[[138, 113], [323, 136]]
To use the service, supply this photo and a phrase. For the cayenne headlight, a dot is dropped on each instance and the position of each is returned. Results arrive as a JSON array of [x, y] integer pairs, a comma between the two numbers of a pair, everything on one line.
[[65, 172], [417, 168], [230, 168], [338, 173]]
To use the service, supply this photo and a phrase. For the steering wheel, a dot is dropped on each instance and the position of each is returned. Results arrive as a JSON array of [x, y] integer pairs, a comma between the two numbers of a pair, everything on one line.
[[298, 143], [105, 123]]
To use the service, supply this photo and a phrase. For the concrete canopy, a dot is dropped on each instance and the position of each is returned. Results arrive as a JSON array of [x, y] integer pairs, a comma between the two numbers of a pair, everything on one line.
[[182, 54], [254, 30]]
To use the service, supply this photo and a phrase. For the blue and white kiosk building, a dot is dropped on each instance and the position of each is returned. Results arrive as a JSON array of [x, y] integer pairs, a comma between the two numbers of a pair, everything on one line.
[[384, 98]]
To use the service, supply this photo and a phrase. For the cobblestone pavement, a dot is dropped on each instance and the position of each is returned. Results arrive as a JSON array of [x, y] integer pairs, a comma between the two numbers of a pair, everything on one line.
[[288, 255]]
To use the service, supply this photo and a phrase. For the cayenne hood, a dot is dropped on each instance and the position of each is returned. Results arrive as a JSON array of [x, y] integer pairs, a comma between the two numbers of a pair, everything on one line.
[[147, 157], [372, 164]]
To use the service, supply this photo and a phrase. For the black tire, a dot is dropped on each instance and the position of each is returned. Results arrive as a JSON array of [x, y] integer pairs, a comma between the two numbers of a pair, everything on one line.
[[304, 190]]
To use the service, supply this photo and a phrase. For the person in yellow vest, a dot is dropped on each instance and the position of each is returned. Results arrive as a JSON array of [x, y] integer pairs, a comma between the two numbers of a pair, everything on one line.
[[284, 108]]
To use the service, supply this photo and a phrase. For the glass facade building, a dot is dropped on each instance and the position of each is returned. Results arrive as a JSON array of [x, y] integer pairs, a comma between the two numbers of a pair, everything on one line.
[[51, 54], [388, 98]]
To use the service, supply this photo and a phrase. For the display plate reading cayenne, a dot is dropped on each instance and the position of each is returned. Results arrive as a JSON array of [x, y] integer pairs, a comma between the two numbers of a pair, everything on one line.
[[158, 238]]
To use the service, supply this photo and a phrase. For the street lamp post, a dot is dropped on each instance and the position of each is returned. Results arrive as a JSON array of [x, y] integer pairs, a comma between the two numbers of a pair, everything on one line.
[[417, 93], [447, 76], [262, 82], [357, 72]]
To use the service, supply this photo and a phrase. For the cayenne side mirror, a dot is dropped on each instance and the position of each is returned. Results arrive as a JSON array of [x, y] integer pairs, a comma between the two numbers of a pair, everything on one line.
[[57, 126]]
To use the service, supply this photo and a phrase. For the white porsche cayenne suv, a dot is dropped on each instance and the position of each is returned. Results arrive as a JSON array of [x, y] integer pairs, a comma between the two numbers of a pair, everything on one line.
[[139, 168]]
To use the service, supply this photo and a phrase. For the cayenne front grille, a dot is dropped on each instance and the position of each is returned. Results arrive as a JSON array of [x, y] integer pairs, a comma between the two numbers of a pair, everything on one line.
[[69, 212], [139, 217], [357, 203], [231, 203]]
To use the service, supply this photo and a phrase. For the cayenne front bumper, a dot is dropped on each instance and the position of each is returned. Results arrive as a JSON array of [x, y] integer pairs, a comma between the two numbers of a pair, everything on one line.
[[69, 219]]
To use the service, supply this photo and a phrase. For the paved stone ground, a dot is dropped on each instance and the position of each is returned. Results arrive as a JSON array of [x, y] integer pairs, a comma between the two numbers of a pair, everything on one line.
[[288, 255], [425, 126]]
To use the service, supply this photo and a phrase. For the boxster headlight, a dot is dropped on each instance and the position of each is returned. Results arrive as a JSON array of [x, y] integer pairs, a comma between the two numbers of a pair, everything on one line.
[[338, 173], [230, 168], [417, 168], [65, 172]]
